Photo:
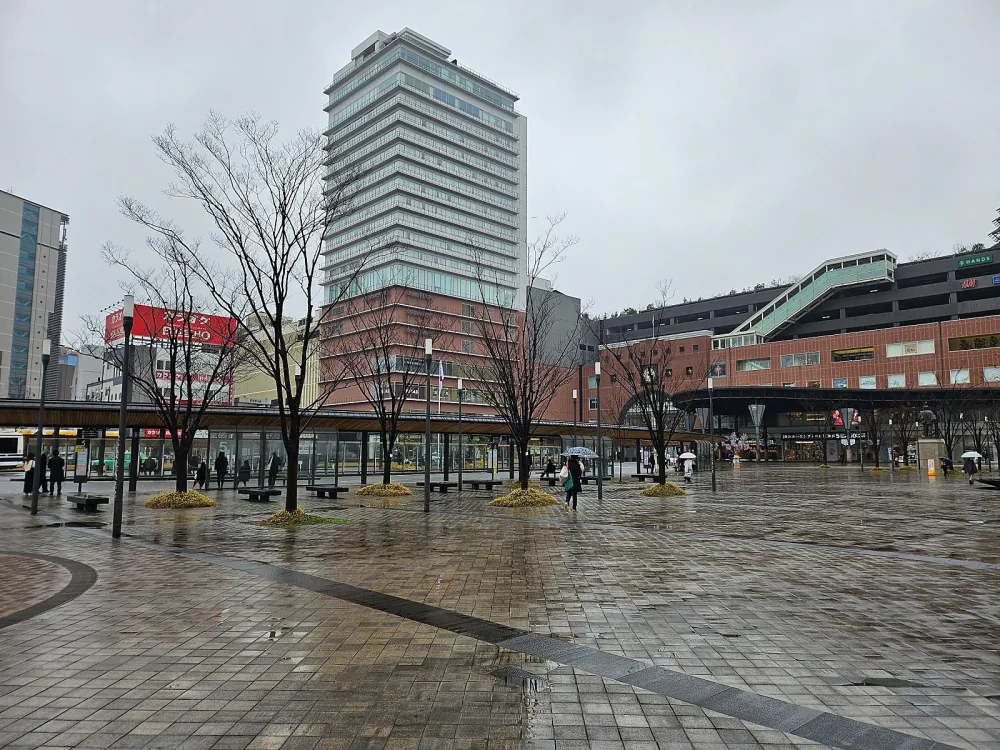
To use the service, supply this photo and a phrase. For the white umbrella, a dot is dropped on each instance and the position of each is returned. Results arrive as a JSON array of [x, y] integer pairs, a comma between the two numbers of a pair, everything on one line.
[[972, 454], [687, 455]]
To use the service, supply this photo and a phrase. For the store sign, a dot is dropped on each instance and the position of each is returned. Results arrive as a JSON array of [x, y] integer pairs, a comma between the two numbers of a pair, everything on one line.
[[981, 259], [171, 325], [969, 284], [996, 279], [967, 343], [718, 370]]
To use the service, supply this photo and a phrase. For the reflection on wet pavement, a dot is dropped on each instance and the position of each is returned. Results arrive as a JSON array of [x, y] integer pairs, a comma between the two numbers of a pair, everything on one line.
[[759, 587]]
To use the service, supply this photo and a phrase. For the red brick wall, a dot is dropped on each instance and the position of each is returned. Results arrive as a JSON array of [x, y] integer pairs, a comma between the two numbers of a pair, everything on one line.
[[941, 361]]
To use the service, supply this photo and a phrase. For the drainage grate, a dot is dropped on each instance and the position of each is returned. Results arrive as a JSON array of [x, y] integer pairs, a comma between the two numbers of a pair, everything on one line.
[[521, 678]]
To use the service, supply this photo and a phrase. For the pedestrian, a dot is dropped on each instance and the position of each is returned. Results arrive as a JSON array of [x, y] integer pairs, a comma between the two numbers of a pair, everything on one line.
[[43, 468], [945, 466], [969, 467], [201, 475], [651, 463], [29, 474], [272, 469], [688, 470], [221, 468], [550, 469], [245, 470], [572, 484], [56, 473]]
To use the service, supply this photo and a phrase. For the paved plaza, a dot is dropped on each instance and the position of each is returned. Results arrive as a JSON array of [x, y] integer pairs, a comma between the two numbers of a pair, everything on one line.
[[797, 606]]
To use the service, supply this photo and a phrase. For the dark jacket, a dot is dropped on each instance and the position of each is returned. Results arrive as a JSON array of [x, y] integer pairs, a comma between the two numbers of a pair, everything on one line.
[[202, 474], [969, 467], [245, 471], [56, 464], [221, 464], [575, 471]]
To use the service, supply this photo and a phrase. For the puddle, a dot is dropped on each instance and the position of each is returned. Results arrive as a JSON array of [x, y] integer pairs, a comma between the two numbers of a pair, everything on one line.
[[521, 678], [889, 682]]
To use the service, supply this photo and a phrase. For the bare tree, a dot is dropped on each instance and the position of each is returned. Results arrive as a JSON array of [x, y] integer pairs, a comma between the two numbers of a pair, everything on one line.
[[975, 423], [192, 357], [950, 408], [525, 360], [270, 210], [905, 429], [651, 374], [875, 426], [381, 353]]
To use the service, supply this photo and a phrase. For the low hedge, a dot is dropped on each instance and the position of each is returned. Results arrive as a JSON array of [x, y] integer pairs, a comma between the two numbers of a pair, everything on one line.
[[663, 490], [189, 499], [393, 489], [528, 498], [284, 519]]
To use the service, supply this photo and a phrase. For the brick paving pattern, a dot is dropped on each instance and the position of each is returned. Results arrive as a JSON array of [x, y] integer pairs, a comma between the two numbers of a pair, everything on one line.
[[796, 584]]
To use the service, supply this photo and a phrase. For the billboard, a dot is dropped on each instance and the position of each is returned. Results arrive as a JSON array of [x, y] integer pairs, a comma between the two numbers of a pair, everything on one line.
[[161, 323]]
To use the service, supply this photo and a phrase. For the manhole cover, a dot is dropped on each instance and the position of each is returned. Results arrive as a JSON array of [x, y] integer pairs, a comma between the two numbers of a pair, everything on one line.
[[890, 682], [521, 678]]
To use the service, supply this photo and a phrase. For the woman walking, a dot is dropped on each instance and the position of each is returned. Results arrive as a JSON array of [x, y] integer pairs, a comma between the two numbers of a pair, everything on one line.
[[572, 485], [29, 474]]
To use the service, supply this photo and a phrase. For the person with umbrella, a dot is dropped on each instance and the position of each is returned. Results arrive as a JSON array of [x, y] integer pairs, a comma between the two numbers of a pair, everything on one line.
[[946, 464], [969, 463], [688, 459]]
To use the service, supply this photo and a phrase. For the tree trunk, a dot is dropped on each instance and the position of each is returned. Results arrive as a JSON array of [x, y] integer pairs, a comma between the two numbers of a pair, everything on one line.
[[661, 464], [523, 467], [386, 462], [877, 446], [292, 475], [180, 468]]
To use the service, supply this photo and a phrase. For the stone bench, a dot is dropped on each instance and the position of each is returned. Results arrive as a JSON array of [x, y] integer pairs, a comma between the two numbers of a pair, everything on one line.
[[259, 494], [322, 490], [591, 478], [488, 484], [86, 501], [440, 486]]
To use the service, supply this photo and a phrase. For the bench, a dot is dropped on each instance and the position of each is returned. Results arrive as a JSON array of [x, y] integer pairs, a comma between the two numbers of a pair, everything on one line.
[[259, 494], [322, 490], [86, 501], [439, 486], [644, 477], [991, 483], [591, 478], [488, 484]]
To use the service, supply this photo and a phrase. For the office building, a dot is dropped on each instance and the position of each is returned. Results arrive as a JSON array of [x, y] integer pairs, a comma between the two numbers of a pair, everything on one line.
[[32, 278], [441, 203]]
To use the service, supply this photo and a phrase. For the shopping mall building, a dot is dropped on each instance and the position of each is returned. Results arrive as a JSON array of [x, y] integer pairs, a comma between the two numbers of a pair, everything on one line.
[[855, 331]]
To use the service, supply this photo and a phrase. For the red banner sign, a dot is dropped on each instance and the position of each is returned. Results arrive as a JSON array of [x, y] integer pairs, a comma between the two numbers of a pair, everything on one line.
[[160, 323]]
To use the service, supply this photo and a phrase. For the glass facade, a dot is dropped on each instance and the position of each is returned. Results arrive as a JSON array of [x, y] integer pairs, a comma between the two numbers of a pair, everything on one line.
[[23, 299]]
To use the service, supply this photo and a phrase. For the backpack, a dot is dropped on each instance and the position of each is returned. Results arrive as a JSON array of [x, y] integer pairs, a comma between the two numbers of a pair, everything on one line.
[[564, 473]]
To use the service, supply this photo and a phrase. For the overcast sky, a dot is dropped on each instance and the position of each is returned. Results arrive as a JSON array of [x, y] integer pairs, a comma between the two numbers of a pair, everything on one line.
[[717, 143]]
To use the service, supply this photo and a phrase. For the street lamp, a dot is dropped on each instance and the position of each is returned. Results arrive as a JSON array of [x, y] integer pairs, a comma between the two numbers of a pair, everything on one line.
[[847, 417], [711, 428], [461, 455], [128, 308], [892, 460], [600, 446], [574, 417], [46, 350], [428, 351]]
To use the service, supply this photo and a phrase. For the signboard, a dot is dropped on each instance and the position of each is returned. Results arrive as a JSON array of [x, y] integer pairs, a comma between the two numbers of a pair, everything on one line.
[[756, 413], [996, 279], [160, 323], [980, 259], [838, 421], [718, 370], [81, 461], [840, 382], [969, 284], [965, 343]]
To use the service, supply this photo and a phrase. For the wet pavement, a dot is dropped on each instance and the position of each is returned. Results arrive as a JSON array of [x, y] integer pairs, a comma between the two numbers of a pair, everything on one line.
[[796, 605]]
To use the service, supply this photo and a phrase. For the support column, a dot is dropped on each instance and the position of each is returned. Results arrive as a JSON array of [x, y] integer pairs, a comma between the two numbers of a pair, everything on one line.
[[638, 456], [364, 458], [236, 462], [133, 464], [263, 458], [510, 456], [446, 459]]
